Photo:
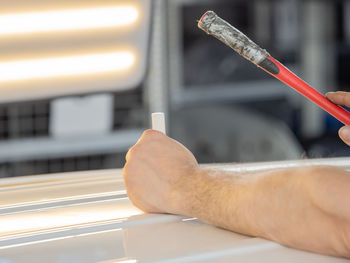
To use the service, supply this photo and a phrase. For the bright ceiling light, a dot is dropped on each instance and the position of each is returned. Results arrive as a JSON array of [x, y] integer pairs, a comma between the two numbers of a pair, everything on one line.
[[66, 20], [66, 66]]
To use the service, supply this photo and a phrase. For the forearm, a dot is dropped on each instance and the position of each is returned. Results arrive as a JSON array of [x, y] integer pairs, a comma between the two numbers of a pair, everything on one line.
[[282, 205], [223, 199]]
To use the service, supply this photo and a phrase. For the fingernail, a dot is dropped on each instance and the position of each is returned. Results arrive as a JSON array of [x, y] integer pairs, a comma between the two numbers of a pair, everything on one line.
[[345, 133]]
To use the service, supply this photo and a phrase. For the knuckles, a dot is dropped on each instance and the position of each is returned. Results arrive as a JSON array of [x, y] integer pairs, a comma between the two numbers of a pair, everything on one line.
[[130, 175], [145, 144], [126, 168], [127, 171], [135, 151], [150, 134]]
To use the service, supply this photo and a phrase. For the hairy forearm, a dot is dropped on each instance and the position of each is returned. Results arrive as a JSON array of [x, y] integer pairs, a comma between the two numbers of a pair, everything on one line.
[[223, 199], [305, 208]]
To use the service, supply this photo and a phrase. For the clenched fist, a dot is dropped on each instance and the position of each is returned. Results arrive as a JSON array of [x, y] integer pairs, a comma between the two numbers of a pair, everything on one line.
[[159, 174]]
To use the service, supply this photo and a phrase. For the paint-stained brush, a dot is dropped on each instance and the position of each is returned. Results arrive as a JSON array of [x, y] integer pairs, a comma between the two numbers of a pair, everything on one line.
[[213, 25]]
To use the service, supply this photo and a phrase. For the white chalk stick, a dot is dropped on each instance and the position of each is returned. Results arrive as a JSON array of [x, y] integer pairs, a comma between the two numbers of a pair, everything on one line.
[[158, 122]]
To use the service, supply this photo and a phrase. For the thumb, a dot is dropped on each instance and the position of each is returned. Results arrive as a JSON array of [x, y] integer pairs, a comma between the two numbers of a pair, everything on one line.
[[344, 134]]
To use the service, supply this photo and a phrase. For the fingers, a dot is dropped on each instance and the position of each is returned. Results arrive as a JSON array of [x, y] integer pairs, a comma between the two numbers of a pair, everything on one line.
[[344, 134], [130, 153], [146, 136], [135, 186], [339, 97]]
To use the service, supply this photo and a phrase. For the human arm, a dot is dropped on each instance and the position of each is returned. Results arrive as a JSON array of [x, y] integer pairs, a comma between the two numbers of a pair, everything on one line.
[[341, 98], [305, 208]]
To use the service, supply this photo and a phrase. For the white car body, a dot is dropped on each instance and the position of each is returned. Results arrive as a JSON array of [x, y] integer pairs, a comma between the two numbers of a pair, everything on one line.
[[87, 217]]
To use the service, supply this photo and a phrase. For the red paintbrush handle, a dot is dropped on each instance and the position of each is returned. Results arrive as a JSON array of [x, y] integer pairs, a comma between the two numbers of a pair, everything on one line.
[[289, 78], [232, 37]]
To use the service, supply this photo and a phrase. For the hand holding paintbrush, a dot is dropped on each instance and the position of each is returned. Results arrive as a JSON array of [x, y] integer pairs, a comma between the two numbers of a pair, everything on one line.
[[219, 28]]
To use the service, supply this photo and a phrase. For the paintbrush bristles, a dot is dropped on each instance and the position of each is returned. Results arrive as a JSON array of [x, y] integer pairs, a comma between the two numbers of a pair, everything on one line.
[[213, 25]]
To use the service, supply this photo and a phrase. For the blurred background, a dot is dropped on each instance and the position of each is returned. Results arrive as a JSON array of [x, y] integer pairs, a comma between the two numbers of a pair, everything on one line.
[[79, 79]]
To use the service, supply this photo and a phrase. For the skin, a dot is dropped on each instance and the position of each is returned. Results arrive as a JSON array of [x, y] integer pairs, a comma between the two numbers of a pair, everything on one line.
[[343, 99], [305, 208]]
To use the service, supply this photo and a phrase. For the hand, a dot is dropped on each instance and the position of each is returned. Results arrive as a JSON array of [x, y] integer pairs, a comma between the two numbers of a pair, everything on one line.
[[159, 174], [343, 99]]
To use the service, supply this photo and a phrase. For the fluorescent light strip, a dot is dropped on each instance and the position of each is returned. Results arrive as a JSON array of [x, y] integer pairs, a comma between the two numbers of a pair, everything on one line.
[[65, 66], [77, 19]]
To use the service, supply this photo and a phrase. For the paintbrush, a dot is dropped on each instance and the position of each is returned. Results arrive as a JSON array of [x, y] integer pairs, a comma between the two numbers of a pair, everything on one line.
[[213, 25]]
